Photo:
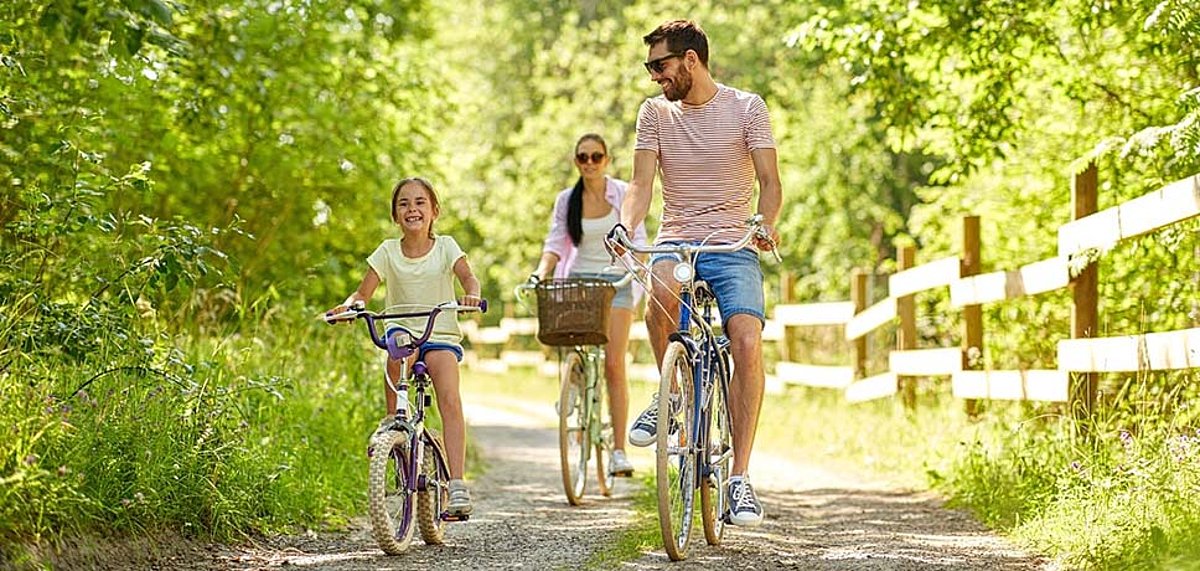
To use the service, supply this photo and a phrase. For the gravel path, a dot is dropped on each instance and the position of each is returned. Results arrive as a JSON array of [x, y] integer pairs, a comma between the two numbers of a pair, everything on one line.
[[815, 520]]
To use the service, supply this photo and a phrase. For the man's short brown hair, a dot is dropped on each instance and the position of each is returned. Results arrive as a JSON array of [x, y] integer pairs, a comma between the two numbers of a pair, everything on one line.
[[681, 36]]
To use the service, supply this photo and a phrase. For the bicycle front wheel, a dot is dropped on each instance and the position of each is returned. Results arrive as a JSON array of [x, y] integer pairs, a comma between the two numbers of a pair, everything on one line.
[[433, 492], [676, 458], [389, 496], [573, 438], [604, 445], [718, 446]]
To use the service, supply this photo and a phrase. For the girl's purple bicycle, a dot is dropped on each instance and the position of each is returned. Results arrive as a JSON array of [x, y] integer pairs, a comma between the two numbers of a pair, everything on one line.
[[409, 479]]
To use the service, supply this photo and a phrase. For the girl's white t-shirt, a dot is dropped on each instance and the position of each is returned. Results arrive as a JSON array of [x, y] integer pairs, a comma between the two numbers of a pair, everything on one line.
[[423, 282]]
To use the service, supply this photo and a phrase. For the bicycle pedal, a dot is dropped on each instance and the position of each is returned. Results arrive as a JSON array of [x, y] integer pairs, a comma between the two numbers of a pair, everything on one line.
[[451, 518], [622, 474]]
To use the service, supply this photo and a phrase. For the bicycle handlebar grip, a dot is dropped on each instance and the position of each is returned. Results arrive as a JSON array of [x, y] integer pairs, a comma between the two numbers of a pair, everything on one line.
[[332, 318], [483, 306]]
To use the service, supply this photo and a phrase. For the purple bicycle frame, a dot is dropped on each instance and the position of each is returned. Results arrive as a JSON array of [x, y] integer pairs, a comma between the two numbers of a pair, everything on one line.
[[400, 352]]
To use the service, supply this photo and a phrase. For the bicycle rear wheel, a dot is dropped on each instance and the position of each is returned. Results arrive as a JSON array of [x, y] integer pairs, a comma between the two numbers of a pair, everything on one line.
[[391, 505], [718, 443], [676, 460], [573, 438], [433, 490]]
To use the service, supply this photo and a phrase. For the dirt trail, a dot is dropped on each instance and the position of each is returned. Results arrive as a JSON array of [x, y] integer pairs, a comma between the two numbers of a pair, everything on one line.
[[815, 520]]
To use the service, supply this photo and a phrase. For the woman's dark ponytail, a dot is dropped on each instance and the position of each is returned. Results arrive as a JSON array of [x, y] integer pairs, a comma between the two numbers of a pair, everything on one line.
[[575, 213]]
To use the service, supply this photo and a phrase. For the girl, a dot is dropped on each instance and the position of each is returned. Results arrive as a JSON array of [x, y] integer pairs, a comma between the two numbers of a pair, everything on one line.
[[574, 247], [419, 268]]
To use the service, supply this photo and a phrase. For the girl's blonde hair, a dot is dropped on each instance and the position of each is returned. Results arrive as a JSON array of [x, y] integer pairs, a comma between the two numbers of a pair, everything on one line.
[[433, 198]]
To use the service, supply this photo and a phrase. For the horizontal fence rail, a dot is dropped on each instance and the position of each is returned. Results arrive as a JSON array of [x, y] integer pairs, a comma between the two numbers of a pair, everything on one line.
[[1079, 358]]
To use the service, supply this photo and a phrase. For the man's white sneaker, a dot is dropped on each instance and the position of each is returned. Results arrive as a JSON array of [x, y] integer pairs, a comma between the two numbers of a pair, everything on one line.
[[645, 426], [744, 507]]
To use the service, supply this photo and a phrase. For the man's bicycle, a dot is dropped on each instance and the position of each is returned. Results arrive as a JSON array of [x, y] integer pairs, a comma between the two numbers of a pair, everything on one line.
[[409, 482], [573, 316], [694, 438]]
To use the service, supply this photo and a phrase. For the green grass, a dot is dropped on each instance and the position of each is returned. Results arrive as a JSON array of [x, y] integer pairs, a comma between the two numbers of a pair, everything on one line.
[[1125, 497], [641, 535], [1117, 501], [211, 436]]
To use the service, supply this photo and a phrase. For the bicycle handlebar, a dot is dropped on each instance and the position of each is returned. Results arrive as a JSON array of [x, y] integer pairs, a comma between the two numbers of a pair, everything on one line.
[[358, 311], [755, 229]]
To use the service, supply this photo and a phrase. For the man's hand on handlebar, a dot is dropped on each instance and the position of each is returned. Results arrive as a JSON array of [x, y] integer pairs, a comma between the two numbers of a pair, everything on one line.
[[767, 238], [614, 242]]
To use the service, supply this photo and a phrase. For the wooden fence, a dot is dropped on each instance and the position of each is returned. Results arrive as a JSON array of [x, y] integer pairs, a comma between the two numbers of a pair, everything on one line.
[[1079, 358]]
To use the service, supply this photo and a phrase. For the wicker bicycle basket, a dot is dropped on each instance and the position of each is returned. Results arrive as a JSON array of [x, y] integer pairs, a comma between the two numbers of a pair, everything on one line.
[[574, 311]]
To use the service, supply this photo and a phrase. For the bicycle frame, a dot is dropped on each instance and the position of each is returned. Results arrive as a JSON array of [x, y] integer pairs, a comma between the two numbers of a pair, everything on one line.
[[706, 356], [710, 358], [592, 357], [406, 436], [593, 435], [590, 430]]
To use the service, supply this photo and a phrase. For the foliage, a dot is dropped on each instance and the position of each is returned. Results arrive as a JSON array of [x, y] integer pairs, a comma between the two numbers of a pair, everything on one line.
[[179, 181]]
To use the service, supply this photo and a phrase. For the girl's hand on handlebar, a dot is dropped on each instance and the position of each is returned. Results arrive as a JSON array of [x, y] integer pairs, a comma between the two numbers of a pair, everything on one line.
[[470, 300], [339, 314], [344, 313]]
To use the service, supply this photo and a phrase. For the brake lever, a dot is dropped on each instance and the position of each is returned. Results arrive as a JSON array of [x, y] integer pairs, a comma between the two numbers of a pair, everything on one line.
[[762, 235]]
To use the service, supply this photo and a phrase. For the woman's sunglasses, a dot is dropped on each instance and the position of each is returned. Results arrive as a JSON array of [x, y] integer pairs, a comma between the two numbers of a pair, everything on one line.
[[583, 157]]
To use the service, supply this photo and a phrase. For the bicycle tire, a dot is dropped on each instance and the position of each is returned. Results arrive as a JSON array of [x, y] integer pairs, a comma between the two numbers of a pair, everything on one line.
[[604, 446], [573, 445], [718, 444], [675, 461], [390, 503], [433, 491]]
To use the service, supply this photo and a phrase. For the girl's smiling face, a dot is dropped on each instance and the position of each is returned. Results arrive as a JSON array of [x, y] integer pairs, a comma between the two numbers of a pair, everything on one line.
[[414, 210]]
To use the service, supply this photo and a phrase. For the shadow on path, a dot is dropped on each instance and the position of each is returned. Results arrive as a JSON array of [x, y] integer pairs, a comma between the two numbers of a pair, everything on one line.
[[851, 529]]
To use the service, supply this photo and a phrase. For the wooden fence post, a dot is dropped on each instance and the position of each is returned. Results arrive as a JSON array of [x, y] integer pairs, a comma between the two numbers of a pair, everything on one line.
[[972, 315], [1085, 292], [787, 295], [858, 296], [906, 336]]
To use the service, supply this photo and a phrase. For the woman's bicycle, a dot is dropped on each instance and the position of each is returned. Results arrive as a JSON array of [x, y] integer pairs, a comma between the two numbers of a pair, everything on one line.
[[694, 438], [409, 482], [573, 316]]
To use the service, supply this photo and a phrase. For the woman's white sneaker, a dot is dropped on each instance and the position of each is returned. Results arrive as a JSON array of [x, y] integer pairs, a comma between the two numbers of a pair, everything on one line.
[[619, 465]]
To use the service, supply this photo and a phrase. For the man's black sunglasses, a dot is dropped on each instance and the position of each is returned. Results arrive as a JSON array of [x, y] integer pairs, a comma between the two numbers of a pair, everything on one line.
[[656, 65]]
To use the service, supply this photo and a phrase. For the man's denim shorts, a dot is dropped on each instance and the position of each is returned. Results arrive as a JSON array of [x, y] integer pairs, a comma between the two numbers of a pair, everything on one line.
[[735, 278], [624, 297]]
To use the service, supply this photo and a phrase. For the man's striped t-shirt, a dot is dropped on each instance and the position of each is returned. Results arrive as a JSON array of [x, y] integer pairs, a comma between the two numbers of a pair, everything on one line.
[[704, 159]]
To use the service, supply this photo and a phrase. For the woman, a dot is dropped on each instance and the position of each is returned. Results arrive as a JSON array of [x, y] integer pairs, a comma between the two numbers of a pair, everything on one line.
[[583, 215]]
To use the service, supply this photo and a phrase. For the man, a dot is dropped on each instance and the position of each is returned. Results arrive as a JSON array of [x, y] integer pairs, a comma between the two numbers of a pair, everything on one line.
[[712, 142]]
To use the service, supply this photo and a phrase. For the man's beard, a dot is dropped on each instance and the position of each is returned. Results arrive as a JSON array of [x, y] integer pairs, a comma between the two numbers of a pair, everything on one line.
[[680, 85]]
